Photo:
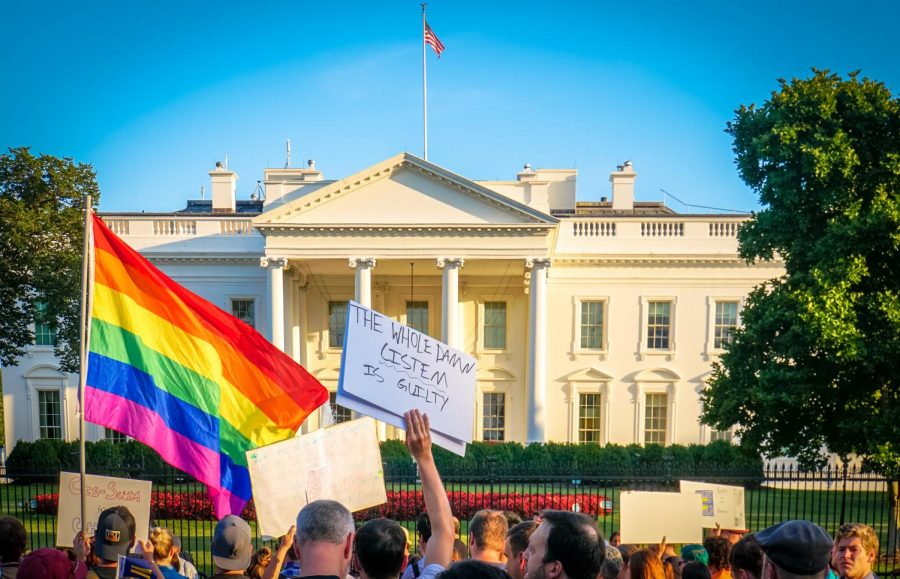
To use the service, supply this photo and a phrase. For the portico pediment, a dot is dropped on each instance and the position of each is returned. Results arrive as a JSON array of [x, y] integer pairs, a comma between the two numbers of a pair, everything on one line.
[[589, 375], [403, 191]]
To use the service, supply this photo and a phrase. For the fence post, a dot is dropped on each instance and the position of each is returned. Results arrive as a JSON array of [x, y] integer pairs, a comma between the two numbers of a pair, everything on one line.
[[843, 493]]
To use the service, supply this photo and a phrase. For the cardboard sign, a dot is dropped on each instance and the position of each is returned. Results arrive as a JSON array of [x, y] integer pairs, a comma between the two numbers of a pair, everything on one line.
[[102, 492], [648, 517], [341, 463], [388, 368], [722, 504]]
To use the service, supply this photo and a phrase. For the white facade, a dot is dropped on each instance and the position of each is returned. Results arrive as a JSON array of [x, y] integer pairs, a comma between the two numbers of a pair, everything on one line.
[[589, 321]]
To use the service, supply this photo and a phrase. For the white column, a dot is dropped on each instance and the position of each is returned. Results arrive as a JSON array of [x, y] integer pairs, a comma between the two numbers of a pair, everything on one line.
[[363, 267], [537, 349], [276, 267], [450, 299]]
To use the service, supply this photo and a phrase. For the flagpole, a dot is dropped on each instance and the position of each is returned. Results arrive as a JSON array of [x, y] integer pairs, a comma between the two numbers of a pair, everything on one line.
[[424, 87], [83, 333]]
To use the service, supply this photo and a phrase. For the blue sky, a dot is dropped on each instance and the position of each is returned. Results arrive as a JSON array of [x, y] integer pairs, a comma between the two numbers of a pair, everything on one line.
[[153, 93]]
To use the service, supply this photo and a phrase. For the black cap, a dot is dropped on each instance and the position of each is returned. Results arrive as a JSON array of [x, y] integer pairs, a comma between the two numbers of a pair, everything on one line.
[[798, 547]]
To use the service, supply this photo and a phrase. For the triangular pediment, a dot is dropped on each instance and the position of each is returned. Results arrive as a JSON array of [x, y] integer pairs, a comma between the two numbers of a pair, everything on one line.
[[589, 375], [403, 191]]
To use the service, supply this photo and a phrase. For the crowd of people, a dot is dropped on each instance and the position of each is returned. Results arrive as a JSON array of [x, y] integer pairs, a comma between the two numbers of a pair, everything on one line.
[[325, 544]]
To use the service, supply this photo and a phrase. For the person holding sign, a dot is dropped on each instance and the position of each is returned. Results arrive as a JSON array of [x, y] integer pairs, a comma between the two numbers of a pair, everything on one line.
[[115, 536]]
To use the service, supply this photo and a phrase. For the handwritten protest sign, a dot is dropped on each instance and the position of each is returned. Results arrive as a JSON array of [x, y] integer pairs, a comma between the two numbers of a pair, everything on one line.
[[722, 504], [388, 368], [648, 517], [101, 493], [341, 463]]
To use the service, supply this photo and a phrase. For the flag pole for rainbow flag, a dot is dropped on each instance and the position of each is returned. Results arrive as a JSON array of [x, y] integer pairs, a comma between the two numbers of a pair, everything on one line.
[[84, 336]]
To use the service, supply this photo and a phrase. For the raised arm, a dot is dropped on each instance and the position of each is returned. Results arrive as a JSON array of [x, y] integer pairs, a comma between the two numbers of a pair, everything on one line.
[[418, 439]]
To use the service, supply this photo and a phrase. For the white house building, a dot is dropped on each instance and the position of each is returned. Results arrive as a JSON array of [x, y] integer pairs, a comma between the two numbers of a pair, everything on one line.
[[591, 322]]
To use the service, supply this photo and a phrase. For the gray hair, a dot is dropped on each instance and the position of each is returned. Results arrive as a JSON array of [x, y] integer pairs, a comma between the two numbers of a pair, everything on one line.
[[613, 563], [324, 520]]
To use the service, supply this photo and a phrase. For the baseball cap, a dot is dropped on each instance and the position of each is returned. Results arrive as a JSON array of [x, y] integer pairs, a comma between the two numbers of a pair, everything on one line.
[[798, 547], [231, 546], [114, 535], [695, 553]]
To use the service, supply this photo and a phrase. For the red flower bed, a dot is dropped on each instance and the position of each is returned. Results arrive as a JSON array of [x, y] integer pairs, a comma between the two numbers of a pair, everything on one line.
[[400, 506]]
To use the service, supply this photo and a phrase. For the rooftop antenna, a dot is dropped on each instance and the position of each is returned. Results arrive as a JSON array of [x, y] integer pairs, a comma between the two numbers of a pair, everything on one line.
[[202, 192], [226, 161], [287, 161], [258, 193]]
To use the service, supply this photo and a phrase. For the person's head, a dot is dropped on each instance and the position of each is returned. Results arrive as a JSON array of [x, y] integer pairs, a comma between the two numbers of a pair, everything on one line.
[[856, 546], [46, 563], [695, 553], [423, 530], [794, 550], [472, 569], [695, 570], [487, 532], [13, 539], [746, 559], [258, 563], [612, 564], [381, 548], [115, 533], [565, 544], [163, 544], [232, 545], [733, 535], [512, 519], [675, 564], [615, 539], [718, 549], [645, 564], [324, 539], [514, 548]]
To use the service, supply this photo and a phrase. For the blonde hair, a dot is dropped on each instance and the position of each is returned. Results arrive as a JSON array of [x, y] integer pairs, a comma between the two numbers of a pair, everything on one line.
[[866, 535], [162, 541]]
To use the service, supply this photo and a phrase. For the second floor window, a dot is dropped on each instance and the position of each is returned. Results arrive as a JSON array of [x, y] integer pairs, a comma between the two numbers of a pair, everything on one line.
[[592, 325], [44, 328], [244, 310], [337, 321], [659, 319], [495, 325], [726, 322], [417, 316]]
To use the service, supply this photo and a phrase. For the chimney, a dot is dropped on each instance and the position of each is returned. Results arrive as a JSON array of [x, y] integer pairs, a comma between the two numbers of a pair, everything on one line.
[[526, 174], [224, 184], [622, 181]]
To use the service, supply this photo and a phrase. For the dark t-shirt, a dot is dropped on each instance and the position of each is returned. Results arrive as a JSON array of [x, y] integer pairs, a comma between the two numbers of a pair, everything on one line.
[[104, 572]]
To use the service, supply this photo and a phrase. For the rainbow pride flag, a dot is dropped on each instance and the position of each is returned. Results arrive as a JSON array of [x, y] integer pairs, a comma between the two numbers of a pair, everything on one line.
[[170, 369]]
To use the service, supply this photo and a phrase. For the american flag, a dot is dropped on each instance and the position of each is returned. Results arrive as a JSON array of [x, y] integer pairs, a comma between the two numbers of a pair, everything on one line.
[[432, 39]]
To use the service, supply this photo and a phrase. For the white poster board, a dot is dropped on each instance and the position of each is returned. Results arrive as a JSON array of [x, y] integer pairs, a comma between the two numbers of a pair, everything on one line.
[[388, 368], [102, 492], [342, 463], [722, 504], [647, 517]]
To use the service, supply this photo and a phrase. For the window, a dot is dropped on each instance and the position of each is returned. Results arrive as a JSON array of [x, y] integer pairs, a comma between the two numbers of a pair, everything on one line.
[[589, 418], [417, 316], [44, 329], [49, 414], [659, 316], [592, 325], [726, 322], [244, 310], [114, 436], [655, 419], [337, 320], [495, 325], [494, 419], [341, 414], [724, 435]]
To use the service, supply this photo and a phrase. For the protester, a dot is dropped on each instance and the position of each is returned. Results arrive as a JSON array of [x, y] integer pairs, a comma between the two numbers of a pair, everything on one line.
[[746, 559], [380, 546], [258, 562], [283, 563], [231, 547], [565, 544], [472, 569], [795, 549], [324, 539], [695, 570], [182, 560], [856, 547], [645, 564], [514, 548], [512, 519], [718, 549], [694, 552], [423, 533], [13, 540], [47, 563], [615, 539], [487, 533], [612, 565], [115, 536], [163, 549]]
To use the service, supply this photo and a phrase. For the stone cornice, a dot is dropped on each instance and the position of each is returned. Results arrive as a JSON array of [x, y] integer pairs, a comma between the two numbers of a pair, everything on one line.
[[207, 259], [667, 260], [342, 230]]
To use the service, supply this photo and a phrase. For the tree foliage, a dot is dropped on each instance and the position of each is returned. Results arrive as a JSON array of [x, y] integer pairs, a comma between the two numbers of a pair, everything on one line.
[[41, 237], [817, 362]]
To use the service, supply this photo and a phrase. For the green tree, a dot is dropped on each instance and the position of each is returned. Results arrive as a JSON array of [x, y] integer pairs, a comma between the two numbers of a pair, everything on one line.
[[41, 237], [817, 362]]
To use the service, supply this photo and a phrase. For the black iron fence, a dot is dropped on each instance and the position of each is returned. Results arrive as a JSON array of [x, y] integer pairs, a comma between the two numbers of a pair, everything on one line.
[[828, 497]]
